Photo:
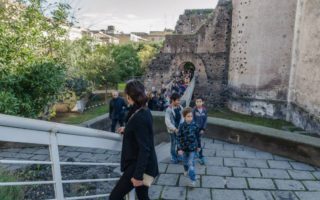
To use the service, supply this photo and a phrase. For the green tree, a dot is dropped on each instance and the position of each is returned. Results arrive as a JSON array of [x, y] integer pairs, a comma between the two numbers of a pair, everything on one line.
[[126, 61], [146, 53], [31, 72], [29, 89]]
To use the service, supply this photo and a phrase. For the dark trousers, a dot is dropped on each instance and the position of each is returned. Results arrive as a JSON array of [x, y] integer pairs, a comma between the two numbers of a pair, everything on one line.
[[124, 186], [200, 154], [114, 124]]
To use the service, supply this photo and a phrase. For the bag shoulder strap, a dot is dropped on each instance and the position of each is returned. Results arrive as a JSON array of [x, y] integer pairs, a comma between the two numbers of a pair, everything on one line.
[[134, 114]]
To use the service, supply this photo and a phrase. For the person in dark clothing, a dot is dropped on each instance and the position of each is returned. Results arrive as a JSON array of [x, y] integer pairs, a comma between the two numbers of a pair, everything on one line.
[[200, 116], [161, 102], [175, 88], [152, 102], [138, 156], [117, 107]]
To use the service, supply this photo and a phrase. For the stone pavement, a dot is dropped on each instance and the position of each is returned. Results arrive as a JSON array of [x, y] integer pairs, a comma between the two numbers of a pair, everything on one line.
[[41, 153], [236, 172], [233, 172]]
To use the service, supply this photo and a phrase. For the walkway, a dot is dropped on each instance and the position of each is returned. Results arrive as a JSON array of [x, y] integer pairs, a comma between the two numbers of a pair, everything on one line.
[[236, 172], [233, 172]]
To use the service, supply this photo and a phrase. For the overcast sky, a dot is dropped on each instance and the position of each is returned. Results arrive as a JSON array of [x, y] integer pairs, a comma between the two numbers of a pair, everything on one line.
[[133, 15]]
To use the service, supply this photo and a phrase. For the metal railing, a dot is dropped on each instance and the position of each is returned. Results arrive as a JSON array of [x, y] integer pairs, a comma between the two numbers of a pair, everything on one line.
[[187, 96], [29, 131]]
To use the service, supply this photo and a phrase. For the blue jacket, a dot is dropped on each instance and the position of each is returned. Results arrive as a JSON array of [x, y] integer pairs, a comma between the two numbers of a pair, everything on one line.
[[187, 137], [117, 108], [200, 118]]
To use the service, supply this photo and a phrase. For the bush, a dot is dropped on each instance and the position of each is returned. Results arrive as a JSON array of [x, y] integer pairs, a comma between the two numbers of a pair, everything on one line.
[[10, 192], [30, 89]]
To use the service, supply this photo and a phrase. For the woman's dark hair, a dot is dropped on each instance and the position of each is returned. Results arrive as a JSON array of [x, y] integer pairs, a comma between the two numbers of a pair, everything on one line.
[[136, 91], [175, 96]]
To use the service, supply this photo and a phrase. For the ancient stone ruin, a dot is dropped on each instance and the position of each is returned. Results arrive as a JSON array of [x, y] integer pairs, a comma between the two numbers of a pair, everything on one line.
[[255, 57]]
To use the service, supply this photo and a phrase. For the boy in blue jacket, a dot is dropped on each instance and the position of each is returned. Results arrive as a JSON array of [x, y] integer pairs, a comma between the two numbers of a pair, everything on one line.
[[200, 116], [188, 144]]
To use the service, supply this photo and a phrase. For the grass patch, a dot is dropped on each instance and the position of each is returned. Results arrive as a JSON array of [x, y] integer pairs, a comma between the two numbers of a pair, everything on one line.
[[272, 123], [121, 86], [78, 118], [10, 192]]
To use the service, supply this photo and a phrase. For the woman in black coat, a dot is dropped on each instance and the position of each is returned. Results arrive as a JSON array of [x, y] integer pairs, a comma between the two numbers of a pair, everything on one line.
[[138, 154]]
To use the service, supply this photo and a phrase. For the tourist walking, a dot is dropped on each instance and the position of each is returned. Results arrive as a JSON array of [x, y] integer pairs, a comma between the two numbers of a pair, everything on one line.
[[173, 118], [117, 108], [138, 156], [200, 116], [188, 145]]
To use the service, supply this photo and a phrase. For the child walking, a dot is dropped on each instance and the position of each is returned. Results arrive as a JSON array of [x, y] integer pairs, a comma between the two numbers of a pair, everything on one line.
[[188, 144], [173, 118], [200, 116]]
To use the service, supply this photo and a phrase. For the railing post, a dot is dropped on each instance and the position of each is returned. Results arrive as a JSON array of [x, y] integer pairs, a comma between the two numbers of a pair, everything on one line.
[[56, 170], [132, 195]]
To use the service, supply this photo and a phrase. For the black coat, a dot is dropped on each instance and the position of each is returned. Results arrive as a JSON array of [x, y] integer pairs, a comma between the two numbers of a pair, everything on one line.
[[138, 145]]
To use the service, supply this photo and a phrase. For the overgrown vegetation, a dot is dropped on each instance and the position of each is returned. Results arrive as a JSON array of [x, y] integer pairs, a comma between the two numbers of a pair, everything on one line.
[[40, 66], [272, 123], [9, 192], [77, 118]]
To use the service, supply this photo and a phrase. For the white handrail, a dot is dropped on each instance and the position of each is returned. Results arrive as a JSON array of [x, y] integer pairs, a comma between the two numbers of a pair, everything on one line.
[[23, 130], [187, 96], [39, 125]]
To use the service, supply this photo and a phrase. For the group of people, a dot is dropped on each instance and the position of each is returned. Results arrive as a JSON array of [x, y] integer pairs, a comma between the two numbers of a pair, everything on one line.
[[160, 100], [138, 158], [185, 127]]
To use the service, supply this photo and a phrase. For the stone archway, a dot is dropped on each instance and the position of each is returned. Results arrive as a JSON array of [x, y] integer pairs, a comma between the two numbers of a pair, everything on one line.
[[188, 67], [178, 63]]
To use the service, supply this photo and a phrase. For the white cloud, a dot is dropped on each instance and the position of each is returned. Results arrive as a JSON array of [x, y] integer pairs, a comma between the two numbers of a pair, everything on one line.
[[127, 25], [96, 15], [132, 16]]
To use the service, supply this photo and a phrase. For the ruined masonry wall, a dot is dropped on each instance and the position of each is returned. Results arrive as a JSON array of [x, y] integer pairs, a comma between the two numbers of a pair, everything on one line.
[[260, 56], [207, 49], [304, 89], [191, 20]]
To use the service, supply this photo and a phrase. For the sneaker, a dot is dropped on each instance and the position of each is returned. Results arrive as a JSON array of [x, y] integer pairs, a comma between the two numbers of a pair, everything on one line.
[[192, 183], [185, 173], [202, 161]]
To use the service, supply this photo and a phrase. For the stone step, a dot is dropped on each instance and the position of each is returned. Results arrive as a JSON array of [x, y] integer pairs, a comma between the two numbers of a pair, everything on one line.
[[163, 151]]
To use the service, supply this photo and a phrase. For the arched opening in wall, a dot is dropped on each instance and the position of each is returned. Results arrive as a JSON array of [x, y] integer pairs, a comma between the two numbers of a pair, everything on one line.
[[185, 72], [188, 69]]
